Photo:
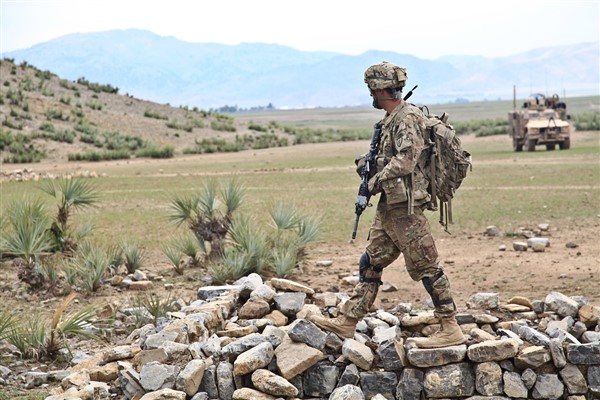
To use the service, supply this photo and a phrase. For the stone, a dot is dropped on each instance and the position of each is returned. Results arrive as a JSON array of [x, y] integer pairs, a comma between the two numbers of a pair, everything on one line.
[[294, 358], [548, 386], [251, 394], [350, 376], [588, 353], [189, 378], [253, 359], [452, 380], [573, 379], [164, 394], [493, 350], [289, 303], [358, 354], [320, 379], [291, 286], [488, 378], [378, 382], [304, 331], [410, 384], [485, 301], [225, 380], [532, 357], [561, 304], [558, 355], [513, 385], [268, 382], [254, 308], [425, 358], [211, 292], [347, 392], [520, 246], [155, 376]]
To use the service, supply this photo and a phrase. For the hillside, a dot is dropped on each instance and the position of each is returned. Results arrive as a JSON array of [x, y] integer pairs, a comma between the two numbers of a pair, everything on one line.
[[46, 117], [209, 75]]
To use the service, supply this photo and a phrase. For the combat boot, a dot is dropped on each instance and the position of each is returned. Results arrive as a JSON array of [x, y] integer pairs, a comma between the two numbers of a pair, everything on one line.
[[342, 326], [449, 334]]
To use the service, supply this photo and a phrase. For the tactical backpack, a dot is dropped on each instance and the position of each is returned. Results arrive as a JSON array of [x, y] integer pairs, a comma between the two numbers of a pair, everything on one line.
[[444, 162]]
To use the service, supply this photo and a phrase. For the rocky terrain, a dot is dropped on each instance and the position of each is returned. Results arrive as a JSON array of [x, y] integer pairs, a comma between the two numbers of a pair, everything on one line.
[[251, 340]]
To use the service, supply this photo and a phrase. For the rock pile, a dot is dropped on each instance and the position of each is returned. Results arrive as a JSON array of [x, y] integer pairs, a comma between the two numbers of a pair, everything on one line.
[[26, 175], [251, 340]]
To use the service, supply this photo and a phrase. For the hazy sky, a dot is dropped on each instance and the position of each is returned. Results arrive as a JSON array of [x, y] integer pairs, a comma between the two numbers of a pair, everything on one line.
[[424, 28]]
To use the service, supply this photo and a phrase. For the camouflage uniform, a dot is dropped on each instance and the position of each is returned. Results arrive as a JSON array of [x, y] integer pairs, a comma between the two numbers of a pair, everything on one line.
[[399, 226]]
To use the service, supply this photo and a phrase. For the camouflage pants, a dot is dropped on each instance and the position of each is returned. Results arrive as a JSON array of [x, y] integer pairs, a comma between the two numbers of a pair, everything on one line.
[[392, 233]]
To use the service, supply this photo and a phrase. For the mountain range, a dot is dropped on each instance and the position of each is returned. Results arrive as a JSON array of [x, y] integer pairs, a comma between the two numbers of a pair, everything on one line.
[[209, 75]]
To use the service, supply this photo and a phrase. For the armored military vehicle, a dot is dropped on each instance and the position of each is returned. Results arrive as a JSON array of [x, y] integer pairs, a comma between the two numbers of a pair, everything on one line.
[[541, 121]]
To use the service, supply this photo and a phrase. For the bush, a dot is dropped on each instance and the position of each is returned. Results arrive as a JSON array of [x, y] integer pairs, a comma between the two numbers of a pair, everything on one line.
[[587, 121], [156, 152], [99, 155]]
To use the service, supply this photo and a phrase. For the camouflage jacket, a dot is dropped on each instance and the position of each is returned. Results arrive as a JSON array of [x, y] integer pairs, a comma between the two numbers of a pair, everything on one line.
[[400, 147]]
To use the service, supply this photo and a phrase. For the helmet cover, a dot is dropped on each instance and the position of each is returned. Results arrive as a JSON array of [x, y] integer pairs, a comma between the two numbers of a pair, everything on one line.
[[385, 75]]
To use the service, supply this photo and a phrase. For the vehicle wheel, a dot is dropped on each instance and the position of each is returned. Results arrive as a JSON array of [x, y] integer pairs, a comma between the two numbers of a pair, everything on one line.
[[517, 145], [565, 144], [530, 144], [550, 146]]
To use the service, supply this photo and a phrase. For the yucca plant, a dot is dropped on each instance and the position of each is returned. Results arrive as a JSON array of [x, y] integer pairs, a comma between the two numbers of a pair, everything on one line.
[[246, 237], [51, 272], [293, 230], [92, 263], [175, 256], [72, 194], [189, 245], [37, 338], [209, 217], [24, 231], [153, 304], [233, 265], [7, 323], [133, 256], [115, 257], [24, 235], [285, 260]]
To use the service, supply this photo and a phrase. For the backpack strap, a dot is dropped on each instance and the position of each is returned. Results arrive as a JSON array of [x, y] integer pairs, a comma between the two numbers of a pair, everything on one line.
[[408, 180]]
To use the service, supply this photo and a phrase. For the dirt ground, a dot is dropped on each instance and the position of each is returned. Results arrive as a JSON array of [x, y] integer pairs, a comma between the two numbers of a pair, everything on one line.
[[475, 264]]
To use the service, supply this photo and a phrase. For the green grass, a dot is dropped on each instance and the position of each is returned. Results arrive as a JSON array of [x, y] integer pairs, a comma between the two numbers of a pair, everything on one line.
[[505, 188]]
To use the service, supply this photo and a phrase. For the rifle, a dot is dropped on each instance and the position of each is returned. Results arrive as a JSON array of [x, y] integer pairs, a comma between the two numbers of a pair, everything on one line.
[[363, 197]]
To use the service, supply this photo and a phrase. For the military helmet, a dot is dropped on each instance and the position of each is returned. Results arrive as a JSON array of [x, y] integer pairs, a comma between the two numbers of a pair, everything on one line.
[[385, 75]]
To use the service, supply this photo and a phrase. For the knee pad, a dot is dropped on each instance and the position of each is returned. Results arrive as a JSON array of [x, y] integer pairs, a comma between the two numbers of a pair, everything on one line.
[[438, 288], [364, 266]]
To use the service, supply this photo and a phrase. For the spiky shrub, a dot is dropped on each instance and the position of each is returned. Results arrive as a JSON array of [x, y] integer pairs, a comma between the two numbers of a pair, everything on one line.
[[246, 237], [207, 215], [293, 232], [233, 265], [175, 257], [7, 323], [284, 260], [24, 231], [51, 272], [155, 305], [115, 257], [91, 263], [71, 194], [133, 256], [24, 235], [193, 248], [43, 339]]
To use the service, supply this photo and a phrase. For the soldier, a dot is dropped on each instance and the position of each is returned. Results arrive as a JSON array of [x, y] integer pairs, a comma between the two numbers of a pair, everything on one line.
[[399, 226]]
